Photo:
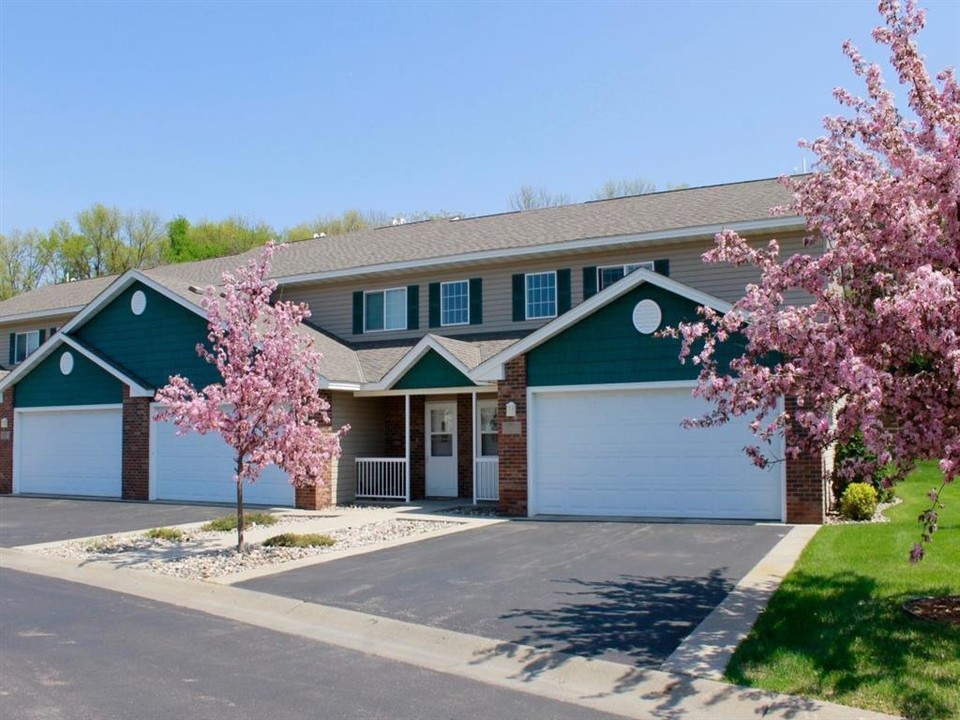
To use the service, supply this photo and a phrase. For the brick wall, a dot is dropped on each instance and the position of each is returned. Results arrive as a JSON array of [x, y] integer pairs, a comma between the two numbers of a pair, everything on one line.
[[319, 495], [6, 442], [394, 434], [806, 483], [513, 448], [136, 447], [465, 446]]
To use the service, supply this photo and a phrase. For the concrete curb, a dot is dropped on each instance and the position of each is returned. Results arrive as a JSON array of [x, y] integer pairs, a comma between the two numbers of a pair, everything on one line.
[[610, 687], [707, 650]]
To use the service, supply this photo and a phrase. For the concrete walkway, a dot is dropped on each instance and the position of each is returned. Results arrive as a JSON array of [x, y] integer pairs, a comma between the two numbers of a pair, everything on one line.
[[602, 685]]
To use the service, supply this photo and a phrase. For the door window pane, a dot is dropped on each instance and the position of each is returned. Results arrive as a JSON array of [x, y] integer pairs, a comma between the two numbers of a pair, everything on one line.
[[489, 441], [441, 421], [441, 445]]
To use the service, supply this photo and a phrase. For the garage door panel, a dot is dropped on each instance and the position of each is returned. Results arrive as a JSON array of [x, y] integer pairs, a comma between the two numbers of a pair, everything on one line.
[[200, 468], [70, 452], [625, 453]]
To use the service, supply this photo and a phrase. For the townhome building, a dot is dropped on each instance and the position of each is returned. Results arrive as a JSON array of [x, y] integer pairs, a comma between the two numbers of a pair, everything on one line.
[[511, 358]]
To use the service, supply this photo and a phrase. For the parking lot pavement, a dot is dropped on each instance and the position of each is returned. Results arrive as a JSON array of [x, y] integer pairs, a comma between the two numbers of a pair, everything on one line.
[[158, 661], [30, 520], [627, 592]]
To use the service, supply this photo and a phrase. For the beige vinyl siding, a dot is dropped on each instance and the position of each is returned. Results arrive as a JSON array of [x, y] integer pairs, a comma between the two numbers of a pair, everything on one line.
[[332, 302], [45, 324], [365, 439]]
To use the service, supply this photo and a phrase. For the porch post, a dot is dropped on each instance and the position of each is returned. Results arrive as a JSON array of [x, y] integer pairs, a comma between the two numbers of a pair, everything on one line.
[[473, 426], [406, 418]]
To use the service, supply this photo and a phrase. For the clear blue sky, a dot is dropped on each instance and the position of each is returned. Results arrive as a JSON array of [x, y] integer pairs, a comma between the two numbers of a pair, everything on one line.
[[285, 111]]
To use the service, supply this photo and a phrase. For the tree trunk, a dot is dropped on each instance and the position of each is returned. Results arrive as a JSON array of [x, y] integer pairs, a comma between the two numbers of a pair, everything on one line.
[[239, 505]]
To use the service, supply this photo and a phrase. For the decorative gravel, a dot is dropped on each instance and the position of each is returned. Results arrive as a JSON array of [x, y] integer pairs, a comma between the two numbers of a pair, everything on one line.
[[835, 518], [189, 558]]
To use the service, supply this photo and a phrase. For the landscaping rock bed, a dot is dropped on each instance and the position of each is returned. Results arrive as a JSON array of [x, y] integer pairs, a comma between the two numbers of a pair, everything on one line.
[[835, 518], [194, 557]]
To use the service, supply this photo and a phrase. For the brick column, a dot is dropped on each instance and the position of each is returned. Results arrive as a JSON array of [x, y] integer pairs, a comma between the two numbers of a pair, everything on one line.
[[320, 494], [418, 447], [806, 483], [465, 446], [6, 441], [136, 447], [513, 446]]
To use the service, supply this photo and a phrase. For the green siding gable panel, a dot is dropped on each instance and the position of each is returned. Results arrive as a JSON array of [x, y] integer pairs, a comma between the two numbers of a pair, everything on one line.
[[431, 371], [605, 347], [152, 346], [87, 383]]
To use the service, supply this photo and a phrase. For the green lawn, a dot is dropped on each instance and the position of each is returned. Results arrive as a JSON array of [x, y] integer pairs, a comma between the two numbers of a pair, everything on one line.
[[835, 629]]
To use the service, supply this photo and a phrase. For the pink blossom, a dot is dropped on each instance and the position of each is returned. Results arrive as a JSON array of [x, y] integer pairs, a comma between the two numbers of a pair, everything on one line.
[[268, 407], [877, 348]]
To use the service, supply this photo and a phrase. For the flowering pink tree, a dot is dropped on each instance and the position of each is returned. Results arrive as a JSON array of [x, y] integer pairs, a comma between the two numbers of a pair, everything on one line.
[[877, 351], [268, 407]]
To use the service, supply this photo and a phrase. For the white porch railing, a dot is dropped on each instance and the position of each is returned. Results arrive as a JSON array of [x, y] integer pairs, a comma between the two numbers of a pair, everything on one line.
[[487, 474], [382, 478]]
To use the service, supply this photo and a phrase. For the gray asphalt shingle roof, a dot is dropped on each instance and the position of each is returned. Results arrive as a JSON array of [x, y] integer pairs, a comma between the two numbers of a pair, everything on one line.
[[437, 239], [432, 239]]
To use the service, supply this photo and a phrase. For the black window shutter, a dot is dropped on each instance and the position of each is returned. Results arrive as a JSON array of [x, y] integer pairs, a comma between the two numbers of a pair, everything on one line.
[[53, 331], [413, 307], [434, 309], [476, 301], [13, 348], [589, 282], [358, 312], [563, 291], [519, 298], [662, 267], [43, 335]]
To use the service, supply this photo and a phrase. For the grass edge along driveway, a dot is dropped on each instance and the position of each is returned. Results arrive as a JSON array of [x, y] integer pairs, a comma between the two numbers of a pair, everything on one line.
[[835, 629]]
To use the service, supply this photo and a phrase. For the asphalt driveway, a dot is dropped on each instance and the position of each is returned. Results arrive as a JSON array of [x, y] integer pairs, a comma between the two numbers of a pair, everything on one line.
[[627, 592], [29, 520]]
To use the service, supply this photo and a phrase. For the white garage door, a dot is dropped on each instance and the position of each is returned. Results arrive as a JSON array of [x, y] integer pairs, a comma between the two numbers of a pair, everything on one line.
[[623, 453], [199, 468], [69, 452]]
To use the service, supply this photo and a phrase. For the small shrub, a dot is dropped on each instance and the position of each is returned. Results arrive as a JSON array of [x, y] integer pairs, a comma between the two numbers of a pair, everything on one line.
[[859, 501], [851, 450], [165, 533], [228, 523], [299, 540]]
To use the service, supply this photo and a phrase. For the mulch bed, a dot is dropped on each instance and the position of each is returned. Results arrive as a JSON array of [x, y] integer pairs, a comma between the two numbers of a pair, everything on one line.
[[944, 609]]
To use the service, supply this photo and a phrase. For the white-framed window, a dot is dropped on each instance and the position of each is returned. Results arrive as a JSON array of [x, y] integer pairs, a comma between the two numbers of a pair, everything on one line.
[[385, 310], [455, 303], [609, 274], [541, 295], [25, 343], [487, 428]]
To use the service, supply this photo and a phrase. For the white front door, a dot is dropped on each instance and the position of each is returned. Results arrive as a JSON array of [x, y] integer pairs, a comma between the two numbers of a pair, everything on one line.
[[441, 450]]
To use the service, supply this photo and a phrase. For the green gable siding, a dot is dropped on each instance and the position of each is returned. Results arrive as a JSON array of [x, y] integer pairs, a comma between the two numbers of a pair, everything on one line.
[[87, 384], [605, 347], [152, 346], [432, 371]]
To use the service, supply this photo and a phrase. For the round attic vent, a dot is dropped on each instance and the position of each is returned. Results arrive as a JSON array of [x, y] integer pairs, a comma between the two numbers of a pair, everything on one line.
[[647, 316], [66, 363], [138, 303]]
